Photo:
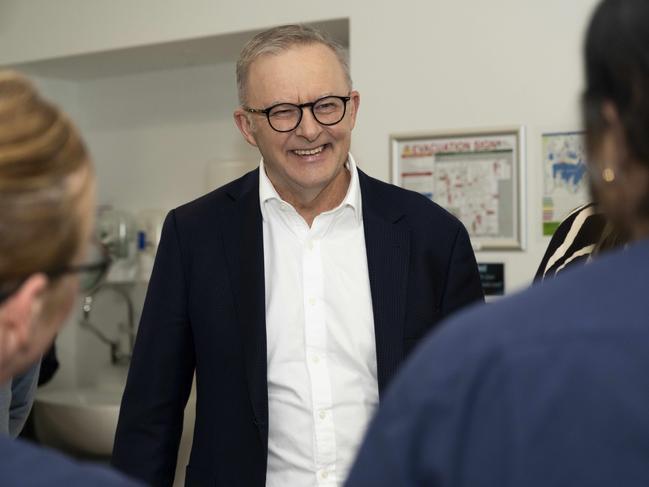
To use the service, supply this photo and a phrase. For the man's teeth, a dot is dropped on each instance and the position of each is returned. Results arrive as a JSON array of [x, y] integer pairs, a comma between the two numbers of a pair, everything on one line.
[[309, 152]]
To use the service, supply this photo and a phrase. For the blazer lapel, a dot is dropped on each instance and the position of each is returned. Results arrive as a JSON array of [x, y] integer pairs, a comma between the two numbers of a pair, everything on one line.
[[244, 245], [387, 243]]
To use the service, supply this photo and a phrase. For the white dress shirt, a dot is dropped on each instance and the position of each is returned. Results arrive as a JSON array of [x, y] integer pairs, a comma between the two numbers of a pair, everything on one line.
[[322, 380]]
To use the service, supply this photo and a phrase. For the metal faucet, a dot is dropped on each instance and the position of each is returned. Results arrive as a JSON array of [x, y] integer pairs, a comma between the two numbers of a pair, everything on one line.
[[117, 356]]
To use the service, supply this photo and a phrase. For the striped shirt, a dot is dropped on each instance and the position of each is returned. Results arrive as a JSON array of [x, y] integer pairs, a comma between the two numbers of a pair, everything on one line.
[[574, 241]]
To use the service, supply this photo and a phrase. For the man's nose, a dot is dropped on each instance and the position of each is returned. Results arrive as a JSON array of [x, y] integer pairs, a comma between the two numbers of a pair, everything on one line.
[[309, 128]]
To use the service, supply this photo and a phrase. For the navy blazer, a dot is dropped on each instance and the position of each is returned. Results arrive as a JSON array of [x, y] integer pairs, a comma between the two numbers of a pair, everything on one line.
[[25, 465], [549, 388], [205, 311]]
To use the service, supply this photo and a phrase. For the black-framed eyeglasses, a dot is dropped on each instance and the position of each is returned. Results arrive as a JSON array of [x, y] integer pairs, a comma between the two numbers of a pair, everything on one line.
[[91, 274], [285, 117]]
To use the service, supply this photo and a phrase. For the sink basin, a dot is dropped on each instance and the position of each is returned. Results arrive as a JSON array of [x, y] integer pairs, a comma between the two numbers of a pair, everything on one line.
[[80, 422]]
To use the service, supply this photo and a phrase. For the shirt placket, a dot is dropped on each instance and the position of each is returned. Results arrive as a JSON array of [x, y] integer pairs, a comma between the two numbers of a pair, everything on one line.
[[317, 359]]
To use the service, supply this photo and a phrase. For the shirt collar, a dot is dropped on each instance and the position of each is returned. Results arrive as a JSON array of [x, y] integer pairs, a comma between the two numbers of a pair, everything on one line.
[[267, 191]]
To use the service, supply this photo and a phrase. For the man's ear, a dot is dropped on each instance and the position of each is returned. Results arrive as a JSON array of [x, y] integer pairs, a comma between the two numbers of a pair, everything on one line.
[[355, 102], [242, 119], [18, 313]]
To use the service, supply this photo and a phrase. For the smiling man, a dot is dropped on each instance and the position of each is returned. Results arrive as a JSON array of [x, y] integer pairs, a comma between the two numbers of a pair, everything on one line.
[[294, 292]]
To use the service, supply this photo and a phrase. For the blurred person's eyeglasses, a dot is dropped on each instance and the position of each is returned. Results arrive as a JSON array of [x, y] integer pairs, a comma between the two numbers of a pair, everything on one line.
[[285, 117], [91, 274]]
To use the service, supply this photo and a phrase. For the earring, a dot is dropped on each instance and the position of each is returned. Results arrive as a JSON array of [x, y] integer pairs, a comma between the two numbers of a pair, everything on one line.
[[608, 175]]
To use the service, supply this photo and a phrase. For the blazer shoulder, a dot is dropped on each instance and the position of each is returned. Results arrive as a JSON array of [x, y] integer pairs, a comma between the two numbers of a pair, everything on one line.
[[575, 307]]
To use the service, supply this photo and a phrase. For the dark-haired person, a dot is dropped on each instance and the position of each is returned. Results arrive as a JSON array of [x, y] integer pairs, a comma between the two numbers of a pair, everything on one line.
[[550, 387], [47, 193]]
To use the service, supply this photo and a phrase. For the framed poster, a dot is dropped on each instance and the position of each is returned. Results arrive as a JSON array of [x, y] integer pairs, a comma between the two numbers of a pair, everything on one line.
[[565, 177], [476, 175]]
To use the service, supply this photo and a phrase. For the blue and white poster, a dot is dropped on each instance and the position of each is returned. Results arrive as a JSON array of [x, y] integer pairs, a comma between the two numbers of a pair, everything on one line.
[[565, 178]]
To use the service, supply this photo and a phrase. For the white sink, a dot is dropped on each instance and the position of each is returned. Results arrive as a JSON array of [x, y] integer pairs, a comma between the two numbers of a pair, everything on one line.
[[80, 422]]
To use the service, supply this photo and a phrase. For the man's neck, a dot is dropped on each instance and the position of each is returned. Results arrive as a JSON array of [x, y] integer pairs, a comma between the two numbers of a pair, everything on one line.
[[310, 206]]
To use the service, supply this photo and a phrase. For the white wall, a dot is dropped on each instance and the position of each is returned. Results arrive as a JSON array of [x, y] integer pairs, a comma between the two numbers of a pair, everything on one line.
[[154, 134], [459, 64], [67, 27], [419, 66]]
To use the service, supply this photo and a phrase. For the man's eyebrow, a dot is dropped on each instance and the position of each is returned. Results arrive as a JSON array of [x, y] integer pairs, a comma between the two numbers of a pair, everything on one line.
[[281, 102]]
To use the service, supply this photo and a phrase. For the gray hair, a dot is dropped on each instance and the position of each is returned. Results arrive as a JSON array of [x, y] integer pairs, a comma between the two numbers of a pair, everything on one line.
[[280, 39]]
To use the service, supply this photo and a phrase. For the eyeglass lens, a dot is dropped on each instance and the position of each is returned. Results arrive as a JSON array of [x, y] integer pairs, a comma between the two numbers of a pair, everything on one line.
[[286, 117]]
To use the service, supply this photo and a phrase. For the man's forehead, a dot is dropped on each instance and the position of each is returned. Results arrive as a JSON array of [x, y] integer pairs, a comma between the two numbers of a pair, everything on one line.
[[300, 73]]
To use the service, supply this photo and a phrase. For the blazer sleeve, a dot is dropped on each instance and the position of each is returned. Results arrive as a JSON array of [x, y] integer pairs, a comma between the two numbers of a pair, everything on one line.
[[463, 285], [161, 371]]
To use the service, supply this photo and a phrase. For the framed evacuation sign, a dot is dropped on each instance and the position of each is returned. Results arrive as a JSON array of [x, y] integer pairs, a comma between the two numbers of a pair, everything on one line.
[[476, 175]]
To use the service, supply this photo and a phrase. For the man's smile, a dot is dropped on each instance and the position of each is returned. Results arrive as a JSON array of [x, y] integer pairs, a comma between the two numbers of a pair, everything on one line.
[[309, 152]]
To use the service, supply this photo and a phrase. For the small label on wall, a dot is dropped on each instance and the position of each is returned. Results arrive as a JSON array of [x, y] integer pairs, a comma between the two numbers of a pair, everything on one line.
[[492, 276]]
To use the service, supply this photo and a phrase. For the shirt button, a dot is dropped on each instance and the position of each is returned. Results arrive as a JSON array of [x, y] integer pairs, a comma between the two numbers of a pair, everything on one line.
[[310, 245], [312, 301], [324, 474], [323, 414], [315, 359]]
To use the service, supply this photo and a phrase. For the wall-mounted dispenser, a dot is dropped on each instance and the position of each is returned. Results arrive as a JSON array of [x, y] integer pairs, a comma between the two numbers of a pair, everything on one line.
[[116, 230]]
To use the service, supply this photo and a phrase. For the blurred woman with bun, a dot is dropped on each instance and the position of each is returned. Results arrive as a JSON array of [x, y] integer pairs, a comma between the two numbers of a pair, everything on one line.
[[47, 196]]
